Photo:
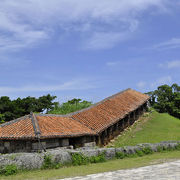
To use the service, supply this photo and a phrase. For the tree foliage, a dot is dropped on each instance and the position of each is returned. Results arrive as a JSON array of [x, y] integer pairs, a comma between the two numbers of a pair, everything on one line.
[[166, 99], [70, 106], [12, 109]]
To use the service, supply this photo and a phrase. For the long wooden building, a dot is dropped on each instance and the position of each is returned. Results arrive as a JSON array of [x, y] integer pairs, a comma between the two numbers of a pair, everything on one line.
[[99, 123]]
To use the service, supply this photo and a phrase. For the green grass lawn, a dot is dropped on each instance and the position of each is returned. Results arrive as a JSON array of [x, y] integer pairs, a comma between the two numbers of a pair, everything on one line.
[[110, 165], [151, 128]]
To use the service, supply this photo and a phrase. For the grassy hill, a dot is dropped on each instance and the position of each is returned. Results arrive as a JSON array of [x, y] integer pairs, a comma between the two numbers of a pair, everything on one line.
[[151, 128]]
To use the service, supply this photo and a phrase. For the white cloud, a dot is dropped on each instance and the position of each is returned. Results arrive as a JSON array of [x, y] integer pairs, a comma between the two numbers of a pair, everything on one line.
[[141, 84], [174, 64], [15, 35], [76, 84], [171, 64], [110, 64], [8, 62], [161, 81], [169, 44], [104, 40], [26, 23]]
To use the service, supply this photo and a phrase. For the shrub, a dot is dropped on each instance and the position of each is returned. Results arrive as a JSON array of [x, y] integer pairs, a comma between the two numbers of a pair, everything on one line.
[[79, 159], [178, 147], [147, 150], [159, 149], [168, 148], [130, 155], [139, 153], [57, 165], [9, 170], [49, 164], [97, 159], [120, 155]]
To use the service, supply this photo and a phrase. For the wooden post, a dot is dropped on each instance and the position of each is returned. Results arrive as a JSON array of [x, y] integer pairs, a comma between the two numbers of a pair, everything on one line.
[[123, 126], [106, 136], [111, 132], [134, 116], [129, 120], [117, 129], [98, 140], [138, 112]]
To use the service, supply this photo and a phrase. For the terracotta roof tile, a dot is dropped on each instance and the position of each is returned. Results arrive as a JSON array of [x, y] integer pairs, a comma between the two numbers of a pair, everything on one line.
[[21, 128], [107, 112], [51, 126]]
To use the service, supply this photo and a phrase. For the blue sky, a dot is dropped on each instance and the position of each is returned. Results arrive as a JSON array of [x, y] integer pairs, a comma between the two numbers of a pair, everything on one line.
[[87, 48]]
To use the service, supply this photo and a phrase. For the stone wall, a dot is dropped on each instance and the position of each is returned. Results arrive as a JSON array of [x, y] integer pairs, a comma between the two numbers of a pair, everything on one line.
[[15, 146], [35, 145], [61, 155]]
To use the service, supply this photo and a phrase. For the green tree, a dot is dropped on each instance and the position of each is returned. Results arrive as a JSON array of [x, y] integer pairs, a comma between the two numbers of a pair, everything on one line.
[[10, 110], [166, 99], [153, 97], [70, 106]]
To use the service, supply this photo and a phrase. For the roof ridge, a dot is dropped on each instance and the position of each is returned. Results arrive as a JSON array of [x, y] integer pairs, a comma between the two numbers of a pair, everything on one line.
[[100, 102], [15, 120], [55, 115], [35, 124]]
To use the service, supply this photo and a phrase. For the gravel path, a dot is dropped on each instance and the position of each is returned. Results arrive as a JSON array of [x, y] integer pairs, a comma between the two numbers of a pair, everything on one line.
[[165, 171]]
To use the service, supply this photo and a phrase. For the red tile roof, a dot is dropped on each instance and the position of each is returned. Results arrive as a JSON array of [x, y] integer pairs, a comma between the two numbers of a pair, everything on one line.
[[110, 110], [89, 121], [53, 126], [20, 128]]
